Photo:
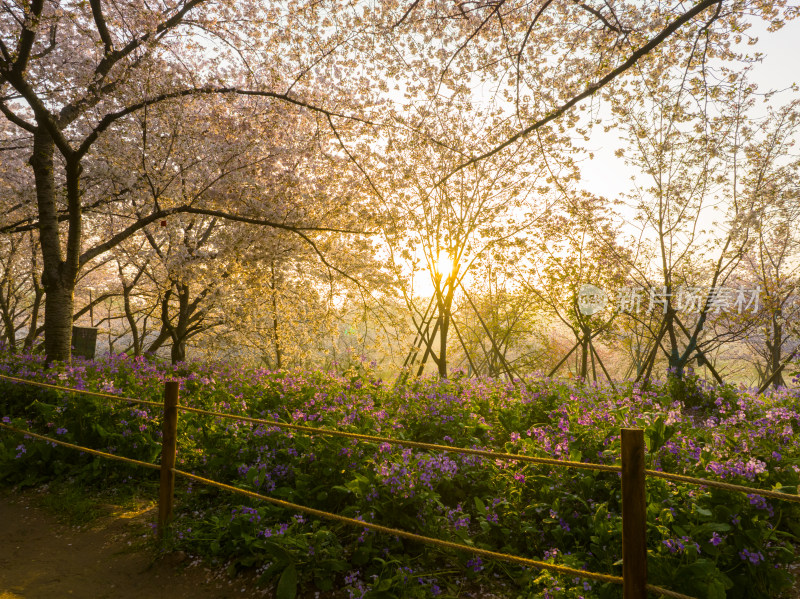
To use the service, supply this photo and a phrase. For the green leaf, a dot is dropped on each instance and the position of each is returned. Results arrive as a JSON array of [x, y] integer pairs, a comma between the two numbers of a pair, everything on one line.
[[323, 583], [287, 585], [716, 590], [383, 585], [276, 551], [360, 556], [271, 572], [480, 505], [336, 565]]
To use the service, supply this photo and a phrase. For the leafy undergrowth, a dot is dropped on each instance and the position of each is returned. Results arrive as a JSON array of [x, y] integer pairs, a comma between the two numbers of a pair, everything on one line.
[[701, 542]]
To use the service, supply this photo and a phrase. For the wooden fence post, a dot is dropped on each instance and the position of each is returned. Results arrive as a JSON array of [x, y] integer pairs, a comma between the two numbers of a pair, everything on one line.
[[634, 516], [169, 439]]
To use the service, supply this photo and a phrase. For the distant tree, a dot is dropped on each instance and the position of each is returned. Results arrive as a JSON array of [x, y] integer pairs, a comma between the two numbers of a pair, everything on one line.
[[772, 262], [693, 215], [445, 229], [21, 292], [501, 332], [576, 250]]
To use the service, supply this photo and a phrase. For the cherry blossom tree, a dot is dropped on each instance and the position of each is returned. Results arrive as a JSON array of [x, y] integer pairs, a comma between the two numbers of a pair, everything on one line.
[[772, 263], [690, 137], [71, 74], [576, 248]]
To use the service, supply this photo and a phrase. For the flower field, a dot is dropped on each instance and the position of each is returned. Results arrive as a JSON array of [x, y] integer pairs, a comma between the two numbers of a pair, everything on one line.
[[702, 542]]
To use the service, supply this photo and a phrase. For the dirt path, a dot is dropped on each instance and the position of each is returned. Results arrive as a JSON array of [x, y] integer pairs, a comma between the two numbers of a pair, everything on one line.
[[43, 559]]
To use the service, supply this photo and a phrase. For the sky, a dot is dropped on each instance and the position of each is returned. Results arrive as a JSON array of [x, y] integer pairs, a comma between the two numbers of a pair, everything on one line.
[[606, 174]]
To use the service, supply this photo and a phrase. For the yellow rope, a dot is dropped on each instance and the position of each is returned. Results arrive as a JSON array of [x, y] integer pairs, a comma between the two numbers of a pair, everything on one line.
[[447, 448], [502, 456], [660, 590], [85, 449], [69, 390], [408, 535], [430, 446], [353, 522], [726, 486]]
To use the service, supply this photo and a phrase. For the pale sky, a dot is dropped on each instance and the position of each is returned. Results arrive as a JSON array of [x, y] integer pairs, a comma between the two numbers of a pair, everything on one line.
[[606, 175]]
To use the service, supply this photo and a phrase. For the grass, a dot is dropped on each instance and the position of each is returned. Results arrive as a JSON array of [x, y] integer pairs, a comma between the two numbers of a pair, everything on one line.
[[70, 504], [74, 504]]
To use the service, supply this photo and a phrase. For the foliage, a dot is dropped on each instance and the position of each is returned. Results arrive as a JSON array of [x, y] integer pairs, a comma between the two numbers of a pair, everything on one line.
[[702, 542]]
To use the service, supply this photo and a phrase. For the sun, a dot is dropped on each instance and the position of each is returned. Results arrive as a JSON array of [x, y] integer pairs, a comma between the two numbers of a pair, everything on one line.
[[423, 282], [444, 265]]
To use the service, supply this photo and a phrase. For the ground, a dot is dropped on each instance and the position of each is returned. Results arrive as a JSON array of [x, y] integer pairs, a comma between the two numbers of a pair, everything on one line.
[[43, 558], [111, 557]]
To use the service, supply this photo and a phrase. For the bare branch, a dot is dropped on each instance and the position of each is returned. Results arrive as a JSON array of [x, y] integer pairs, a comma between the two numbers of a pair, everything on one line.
[[160, 214], [599, 15], [590, 89], [408, 12]]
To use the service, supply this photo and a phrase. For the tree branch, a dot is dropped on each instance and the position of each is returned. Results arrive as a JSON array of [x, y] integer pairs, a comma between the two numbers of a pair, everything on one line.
[[18, 121], [599, 15], [27, 36], [590, 89], [102, 29], [92, 253], [408, 12], [112, 117]]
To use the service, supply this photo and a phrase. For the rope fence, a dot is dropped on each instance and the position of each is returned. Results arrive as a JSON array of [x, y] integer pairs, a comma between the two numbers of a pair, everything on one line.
[[81, 391], [406, 535], [704, 482], [523, 561], [402, 442], [102, 454], [432, 446], [632, 469]]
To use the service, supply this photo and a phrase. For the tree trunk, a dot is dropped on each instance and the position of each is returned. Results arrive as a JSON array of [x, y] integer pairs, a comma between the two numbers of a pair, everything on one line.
[[178, 352], [443, 343], [674, 358], [180, 331], [136, 343], [445, 312], [30, 338], [57, 279], [6, 310], [275, 336], [775, 351], [58, 304], [585, 336], [163, 336]]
